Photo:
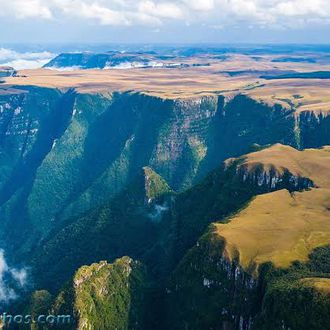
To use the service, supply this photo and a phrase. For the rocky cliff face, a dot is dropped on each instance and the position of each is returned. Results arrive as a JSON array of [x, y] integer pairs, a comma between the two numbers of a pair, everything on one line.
[[30, 124], [270, 179], [218, 294], [313, 129], [25, 119]]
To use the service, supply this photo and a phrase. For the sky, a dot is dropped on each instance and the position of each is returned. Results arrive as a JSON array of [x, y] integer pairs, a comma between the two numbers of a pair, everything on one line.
[[165, 21]]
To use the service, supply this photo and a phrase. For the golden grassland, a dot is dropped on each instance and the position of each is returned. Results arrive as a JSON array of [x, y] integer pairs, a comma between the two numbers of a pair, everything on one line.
[[303, 94], [280, 227], [166, 83]]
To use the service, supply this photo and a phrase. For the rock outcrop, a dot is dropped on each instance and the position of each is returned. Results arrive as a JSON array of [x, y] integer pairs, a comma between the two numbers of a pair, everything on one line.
[[106, 296]]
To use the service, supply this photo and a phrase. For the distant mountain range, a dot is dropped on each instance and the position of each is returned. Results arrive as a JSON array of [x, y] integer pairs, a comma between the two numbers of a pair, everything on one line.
[[118, 60], [180, 59], [6, 71]]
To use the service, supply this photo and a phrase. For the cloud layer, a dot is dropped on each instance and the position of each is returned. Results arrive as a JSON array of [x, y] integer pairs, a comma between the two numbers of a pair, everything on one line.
[[11, 279], [28, 60], [276, 13]]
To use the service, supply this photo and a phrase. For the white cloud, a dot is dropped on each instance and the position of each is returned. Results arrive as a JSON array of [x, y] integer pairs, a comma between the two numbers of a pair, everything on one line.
[[8, 54], [25, 9], [157, 12], [19, 275], [302, 8], [163, 9], [10, 279], [31, 60], [204, 5], [104, 15], [26, 64]]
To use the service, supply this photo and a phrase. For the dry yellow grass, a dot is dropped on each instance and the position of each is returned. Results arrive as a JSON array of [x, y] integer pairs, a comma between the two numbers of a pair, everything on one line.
[[166, 83], [320, 284], [281, 227], [304, 94]]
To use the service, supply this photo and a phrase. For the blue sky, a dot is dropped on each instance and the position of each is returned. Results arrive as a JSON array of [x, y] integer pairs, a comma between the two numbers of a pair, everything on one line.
[[168, 21]]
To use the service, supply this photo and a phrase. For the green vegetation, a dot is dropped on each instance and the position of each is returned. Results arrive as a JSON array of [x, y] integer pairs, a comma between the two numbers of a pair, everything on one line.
[[207, 291], [108, 296], [100, 296], [294, 305], [98, 234], [155, 185], [40, 304], [128, 217]]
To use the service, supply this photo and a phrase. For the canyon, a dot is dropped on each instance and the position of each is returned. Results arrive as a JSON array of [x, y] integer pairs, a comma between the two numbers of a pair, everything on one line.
[[175, 198]]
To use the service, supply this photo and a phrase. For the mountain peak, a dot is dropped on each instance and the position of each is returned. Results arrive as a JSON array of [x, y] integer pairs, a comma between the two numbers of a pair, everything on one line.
[[155, 185]]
